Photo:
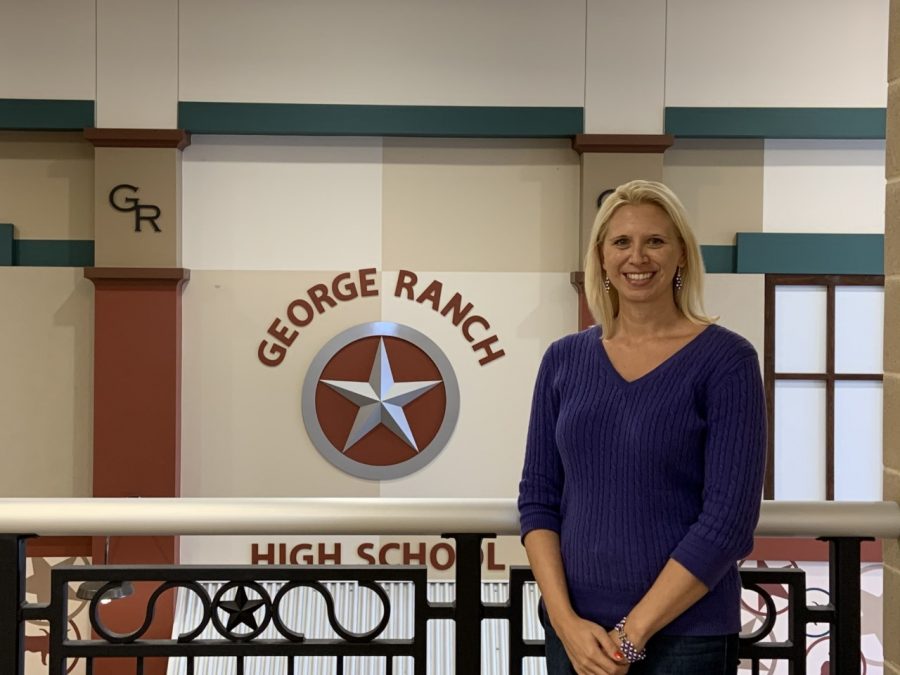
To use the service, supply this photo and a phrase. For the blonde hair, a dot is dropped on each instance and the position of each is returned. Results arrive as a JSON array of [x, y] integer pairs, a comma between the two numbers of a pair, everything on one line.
[[605, 306]]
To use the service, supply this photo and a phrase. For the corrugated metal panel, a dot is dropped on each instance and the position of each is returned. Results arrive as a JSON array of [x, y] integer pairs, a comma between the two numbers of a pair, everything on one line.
[[359, 610]]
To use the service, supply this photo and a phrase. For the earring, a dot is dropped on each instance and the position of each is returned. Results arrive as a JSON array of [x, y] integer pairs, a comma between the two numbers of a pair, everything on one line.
[[679, 282], [606, 283]]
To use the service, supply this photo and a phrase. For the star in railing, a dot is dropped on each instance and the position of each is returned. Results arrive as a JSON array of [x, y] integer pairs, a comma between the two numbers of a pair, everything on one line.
[[241, 610]]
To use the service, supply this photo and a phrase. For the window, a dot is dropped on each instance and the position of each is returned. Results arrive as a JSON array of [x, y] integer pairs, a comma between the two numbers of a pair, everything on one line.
[[823, 376]]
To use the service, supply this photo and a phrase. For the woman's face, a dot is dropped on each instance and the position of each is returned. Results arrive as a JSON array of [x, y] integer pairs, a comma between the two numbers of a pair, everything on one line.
[[641, 253]]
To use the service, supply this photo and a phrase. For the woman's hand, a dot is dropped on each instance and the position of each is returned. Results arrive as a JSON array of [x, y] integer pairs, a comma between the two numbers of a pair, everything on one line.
[[591, 650]]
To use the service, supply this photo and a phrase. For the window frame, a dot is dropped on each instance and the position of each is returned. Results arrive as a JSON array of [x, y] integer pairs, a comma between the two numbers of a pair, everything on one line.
[[830, 282]]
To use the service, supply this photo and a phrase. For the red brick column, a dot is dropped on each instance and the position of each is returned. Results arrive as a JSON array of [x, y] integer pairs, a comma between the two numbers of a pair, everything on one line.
[[137, 422]]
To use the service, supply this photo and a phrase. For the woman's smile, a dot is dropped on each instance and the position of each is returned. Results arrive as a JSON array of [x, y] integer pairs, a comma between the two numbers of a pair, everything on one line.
[[641, 253]]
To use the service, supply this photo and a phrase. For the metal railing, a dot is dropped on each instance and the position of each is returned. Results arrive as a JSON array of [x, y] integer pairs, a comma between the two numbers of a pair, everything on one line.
[[468, 522]]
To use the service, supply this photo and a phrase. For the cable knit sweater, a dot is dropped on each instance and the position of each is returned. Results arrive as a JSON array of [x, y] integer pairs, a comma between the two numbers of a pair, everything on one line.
[[631, 474]]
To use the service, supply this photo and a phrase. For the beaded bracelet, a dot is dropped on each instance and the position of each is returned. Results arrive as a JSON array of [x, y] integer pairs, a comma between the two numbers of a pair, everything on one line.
[[632, 653]]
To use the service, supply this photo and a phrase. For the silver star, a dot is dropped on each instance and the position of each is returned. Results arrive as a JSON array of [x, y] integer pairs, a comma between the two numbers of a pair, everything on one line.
[[380, 400]]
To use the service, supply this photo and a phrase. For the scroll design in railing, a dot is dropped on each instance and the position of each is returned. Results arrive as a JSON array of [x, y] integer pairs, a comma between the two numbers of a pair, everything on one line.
[[127, 638], [768, 617], [238, 604], [333, 621], [241, 610], [754, 646]]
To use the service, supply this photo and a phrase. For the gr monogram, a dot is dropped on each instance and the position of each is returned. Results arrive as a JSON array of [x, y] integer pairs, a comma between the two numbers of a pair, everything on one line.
[[142, 212]]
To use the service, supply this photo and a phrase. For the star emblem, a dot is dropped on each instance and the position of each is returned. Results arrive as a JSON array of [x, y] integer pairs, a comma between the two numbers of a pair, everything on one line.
[[381, 400], [241, 610]]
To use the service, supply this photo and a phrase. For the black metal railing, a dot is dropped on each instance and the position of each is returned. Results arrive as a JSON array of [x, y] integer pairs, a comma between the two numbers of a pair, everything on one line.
[[240, 620]]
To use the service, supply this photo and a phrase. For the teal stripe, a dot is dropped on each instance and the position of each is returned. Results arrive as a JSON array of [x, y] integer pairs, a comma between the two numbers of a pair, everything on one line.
[[781, 253], [37, 114], [53, 253], [462, 121], [719, 259], [378, 120], [848, 123], [6, 244]]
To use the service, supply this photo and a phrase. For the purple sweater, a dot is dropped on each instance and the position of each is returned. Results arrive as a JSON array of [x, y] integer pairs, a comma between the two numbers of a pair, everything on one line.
[[631, 474]]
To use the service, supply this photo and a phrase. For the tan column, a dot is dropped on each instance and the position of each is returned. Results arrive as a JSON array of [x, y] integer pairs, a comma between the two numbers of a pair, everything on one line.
[[607, 161], [892, 344], [138, 281], [137, 196]]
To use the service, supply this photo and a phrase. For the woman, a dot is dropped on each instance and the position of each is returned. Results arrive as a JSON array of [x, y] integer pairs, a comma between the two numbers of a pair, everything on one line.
[[645, 459]]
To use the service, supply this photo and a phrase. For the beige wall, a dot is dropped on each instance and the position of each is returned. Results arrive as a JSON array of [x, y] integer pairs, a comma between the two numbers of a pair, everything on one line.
[[480, 205], [46, 192], [720, 183], [47, 185], [46, 389]]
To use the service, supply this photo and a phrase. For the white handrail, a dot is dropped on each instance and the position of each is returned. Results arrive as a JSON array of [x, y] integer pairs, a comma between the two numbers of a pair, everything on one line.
[[268, 516]]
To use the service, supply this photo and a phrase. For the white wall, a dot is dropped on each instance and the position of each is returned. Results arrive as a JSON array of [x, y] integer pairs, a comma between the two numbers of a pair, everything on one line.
[[823, 186], [429, 52], [137, 64], [624, 90], [47, 49], [270, 203], [621, 61], [770, 53]]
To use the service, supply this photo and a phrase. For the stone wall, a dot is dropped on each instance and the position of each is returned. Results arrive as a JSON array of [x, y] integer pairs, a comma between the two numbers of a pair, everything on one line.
[[892, 343]]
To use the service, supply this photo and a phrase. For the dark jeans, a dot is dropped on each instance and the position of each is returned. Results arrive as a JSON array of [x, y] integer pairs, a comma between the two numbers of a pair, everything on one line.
[[666, 655]]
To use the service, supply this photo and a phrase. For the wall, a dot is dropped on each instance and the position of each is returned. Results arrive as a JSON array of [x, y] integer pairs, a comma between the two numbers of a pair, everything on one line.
[[46, 184]]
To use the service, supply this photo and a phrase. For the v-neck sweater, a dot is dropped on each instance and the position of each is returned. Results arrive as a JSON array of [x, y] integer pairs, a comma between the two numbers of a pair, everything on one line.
[[631, 474]]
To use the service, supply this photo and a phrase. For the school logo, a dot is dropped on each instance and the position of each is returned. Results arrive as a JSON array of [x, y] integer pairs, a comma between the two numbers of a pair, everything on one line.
[[142, 212], [380, 401]]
